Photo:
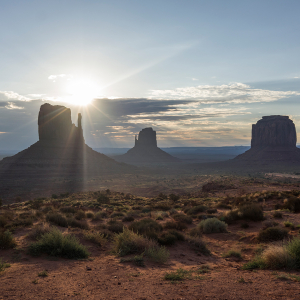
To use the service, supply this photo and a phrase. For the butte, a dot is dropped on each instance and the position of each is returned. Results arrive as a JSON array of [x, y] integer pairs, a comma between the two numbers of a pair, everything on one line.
[[60, 160], [145, 150], [273, 140]]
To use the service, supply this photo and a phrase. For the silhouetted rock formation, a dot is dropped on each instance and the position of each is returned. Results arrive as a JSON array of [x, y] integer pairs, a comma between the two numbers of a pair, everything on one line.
[[273, 139], [60, 152], [145, 150], [55, 125]]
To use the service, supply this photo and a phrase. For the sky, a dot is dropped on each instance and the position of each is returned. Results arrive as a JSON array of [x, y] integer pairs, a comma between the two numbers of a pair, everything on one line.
[[198, 72]]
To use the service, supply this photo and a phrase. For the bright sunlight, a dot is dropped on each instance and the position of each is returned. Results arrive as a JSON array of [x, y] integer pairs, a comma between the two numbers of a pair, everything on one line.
[[81, 91]]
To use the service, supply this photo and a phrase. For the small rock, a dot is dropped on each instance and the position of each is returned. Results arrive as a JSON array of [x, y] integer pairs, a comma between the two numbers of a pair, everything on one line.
[[88, 268]]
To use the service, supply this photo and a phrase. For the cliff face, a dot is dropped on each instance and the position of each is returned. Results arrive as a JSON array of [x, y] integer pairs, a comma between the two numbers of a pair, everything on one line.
[[146, 138], [274, 131], [55, 125], [273, 139]]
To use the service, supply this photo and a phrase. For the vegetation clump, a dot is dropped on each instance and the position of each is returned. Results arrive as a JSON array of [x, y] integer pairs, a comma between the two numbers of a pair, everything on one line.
[[253, 212], [7, 240], [54, 243], [183, 218], [212, 225], [272, 234]]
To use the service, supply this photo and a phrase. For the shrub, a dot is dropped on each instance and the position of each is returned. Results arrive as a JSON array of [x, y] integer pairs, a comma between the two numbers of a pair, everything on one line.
[[198, 245], [7, 240], [179, 235], [213, 225], [103, 199], [196, 209], [251, 212], [80, 214], [277, 257], [158, 254], [3, 221], [293, 248], [100, 215], [54, 243], [128, 242], [175, 225], [95, 237], [3, 265], [128, 219], [289, 224], [277, 215], [38, 231], [272, 234], [183, 218], [78, 223], [230, 216], [68, 209], [195, 232], [90, 215], [117, 214], [115, 226], [57, 219], [167, 238], [137, 259], [180, 274], [293, 204], [145, 226]]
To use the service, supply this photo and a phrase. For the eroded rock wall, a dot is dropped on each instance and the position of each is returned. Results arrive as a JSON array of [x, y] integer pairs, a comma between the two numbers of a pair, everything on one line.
[[274, 131], [146, 138]]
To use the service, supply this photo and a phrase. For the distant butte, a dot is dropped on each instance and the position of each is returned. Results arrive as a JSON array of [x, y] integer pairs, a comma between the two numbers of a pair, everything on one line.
[[145, 150], [273, 139]]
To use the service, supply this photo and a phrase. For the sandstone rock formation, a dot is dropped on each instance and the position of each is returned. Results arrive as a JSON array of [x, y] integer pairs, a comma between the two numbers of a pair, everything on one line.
[[145, 150], [273, 139], [60, 153], [55, 125]]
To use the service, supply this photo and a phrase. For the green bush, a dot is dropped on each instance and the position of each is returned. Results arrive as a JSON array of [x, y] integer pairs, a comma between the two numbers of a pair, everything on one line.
[[157, 254], [38, 231], [293, 248], [95, 237], [78, 223], [57, 219], [293, 204], [54, 243], [212, 225], [3, 265], [80, 214], [175, 225], [7, 240], [196, 209], [167, 238], [251, 212], [233, 253], [145, 226], [272, 234], [128, 242], [198, 245], [183, 218], [115, 226]]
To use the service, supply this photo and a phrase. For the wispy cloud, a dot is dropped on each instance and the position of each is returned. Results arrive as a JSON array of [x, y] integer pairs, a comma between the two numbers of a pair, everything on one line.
[[230, 93], [12, 105], [10, 95], [54, 78]]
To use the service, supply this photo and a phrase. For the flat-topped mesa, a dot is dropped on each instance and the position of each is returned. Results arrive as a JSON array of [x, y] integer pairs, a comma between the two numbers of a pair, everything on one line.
[[146, 138], [55, 125], [274, 131]]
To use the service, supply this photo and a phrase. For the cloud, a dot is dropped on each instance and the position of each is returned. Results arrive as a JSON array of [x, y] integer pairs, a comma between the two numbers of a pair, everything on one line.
[[230, 93], [12, 105], [10, 95], [59, 76]]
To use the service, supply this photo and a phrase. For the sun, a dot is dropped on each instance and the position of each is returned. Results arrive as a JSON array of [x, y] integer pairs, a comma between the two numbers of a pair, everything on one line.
[[81, 91]]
